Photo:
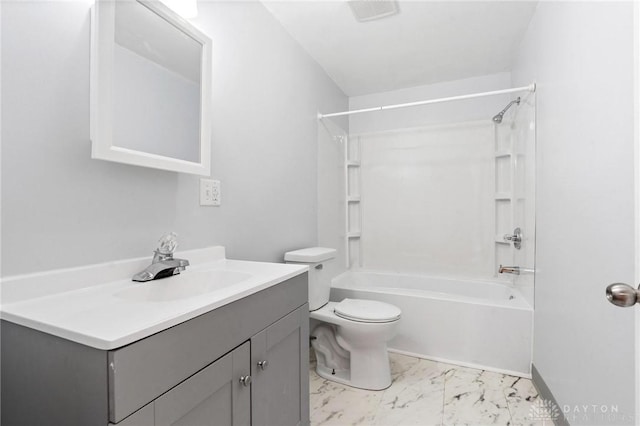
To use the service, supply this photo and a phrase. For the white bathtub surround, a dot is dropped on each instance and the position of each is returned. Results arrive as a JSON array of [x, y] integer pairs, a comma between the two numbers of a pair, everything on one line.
[[472, 323], [427, 200], [442, 184], [426, 393]]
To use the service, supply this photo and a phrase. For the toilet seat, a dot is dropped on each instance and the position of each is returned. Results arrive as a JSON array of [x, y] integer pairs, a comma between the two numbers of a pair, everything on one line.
[[367, 311]]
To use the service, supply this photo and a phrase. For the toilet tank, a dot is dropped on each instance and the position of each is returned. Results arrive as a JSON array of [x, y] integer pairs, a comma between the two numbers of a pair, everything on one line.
[[319, 279]]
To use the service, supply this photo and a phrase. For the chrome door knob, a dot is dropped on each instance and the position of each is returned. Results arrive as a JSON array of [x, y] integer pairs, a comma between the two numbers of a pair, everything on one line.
[[263, 364], [623, 295], [245, 380]]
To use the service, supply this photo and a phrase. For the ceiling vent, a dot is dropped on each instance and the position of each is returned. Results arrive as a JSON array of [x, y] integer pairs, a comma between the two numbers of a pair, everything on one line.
[[369, 10]]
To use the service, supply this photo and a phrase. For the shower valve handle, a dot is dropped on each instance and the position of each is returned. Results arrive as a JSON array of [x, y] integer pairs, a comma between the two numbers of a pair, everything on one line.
[[516, 237]]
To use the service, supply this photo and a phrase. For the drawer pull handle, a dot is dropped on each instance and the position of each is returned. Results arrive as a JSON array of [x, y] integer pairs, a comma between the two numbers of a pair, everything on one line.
[[263, 364], [245, 380]]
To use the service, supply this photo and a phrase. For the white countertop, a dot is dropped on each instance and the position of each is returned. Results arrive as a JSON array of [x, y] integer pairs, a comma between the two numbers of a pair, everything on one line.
[[86, 305]]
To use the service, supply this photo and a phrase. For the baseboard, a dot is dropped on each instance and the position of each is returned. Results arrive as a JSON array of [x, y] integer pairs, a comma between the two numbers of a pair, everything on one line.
[[545, 394], [463, 364]]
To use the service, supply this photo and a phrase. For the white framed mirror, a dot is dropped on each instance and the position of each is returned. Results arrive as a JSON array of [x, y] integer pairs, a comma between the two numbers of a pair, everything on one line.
[[150, 87]]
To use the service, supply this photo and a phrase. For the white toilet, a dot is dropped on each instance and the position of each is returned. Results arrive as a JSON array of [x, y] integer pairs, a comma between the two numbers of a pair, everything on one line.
[[351, 341]]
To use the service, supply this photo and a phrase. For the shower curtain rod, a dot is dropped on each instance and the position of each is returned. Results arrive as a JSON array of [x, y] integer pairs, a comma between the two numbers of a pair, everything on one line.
[[531, 88]]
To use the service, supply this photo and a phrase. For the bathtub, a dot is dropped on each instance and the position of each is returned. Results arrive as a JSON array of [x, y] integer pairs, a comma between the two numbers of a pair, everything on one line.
[[470, 323]]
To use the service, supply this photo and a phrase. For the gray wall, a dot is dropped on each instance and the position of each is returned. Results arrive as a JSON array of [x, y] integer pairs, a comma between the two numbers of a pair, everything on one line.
[[443, 113], [581, 56], [60, 208]]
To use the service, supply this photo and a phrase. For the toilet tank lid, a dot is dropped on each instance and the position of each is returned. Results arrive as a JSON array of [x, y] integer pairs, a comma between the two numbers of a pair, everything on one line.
[[310, 255]]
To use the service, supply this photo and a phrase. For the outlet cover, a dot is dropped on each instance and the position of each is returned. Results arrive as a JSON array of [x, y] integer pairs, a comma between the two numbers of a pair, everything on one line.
[[210, 194]]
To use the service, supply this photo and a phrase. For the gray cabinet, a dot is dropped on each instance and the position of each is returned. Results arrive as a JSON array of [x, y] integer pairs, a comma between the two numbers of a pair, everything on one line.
[[143, 417], [215, 396], [186, 375], [277, 394], [212, 397], [279, 356]]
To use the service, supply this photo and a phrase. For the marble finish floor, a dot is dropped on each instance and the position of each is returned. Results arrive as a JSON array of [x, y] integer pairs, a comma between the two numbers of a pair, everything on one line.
[[425, 392]]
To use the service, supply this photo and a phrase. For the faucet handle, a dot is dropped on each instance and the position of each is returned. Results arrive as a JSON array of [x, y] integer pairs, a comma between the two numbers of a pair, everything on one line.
[[516, 238], [168, 243]]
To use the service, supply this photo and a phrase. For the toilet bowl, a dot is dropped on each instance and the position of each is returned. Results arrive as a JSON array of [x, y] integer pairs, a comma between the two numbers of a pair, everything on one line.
[[364, 339], [351, 340]]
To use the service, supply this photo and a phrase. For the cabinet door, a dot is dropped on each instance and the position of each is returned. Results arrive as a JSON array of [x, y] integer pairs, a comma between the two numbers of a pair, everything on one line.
[[280, 388], [142, 417], [214, 396]]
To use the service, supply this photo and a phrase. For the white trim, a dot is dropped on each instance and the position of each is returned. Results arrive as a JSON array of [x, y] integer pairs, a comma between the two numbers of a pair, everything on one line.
[[462, 364], [101, 111], [1, 260], [347, 241], [530, 88], [636, 139]]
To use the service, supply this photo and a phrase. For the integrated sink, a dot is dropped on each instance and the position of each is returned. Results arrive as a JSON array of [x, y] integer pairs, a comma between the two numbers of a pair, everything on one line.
[[99, 306], [190, 283]]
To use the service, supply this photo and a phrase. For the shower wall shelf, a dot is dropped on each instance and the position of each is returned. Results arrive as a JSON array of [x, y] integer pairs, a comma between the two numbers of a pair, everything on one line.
[[506, 193], [353, 207]]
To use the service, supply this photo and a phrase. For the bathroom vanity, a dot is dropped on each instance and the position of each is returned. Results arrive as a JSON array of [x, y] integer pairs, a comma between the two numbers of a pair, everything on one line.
[[235, 353]]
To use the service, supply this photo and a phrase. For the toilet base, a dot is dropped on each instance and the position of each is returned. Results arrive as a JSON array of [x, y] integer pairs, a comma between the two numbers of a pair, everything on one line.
[[339, 376], [351, 352], [369, 370]]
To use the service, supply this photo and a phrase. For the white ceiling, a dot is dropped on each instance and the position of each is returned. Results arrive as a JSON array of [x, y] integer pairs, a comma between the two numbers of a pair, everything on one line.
[[427, 42]]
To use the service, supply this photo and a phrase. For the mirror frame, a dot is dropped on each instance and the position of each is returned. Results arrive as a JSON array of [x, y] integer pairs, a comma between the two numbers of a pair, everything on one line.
[[101, 93]]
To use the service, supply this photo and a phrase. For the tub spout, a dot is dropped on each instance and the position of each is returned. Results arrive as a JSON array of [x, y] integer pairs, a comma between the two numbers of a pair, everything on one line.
[[509, 270]]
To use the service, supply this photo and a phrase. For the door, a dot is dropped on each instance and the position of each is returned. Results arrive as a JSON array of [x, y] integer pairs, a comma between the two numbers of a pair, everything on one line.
[[625, 294], [280, 389], [218, 395], [637, 191]]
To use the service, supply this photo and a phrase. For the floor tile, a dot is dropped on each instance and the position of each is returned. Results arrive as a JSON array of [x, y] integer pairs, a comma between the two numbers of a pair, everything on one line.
[[522, 397], [416, 395], [425, 392], [336, 404]]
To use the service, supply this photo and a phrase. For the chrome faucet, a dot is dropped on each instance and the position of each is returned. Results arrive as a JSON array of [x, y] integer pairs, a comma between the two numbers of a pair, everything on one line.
[[509, 270], [163, 264], [515, 270]]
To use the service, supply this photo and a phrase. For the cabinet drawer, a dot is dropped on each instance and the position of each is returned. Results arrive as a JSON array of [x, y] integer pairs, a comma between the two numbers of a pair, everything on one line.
[[144, 370]]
